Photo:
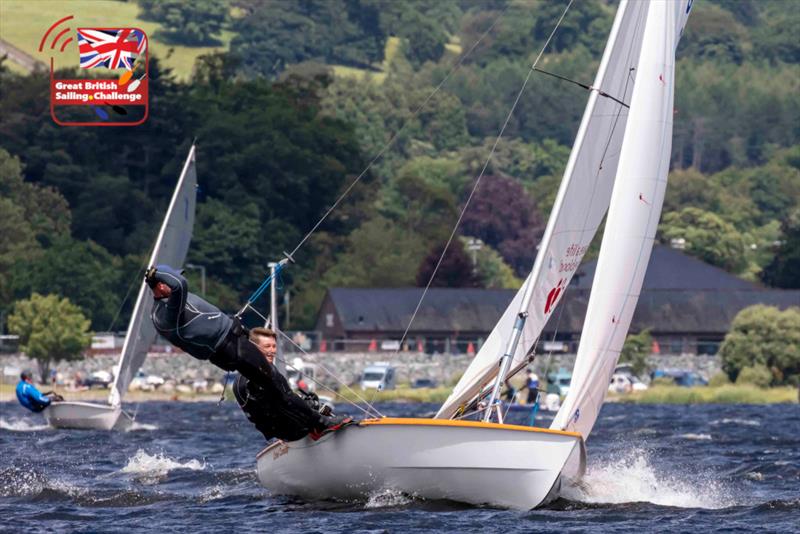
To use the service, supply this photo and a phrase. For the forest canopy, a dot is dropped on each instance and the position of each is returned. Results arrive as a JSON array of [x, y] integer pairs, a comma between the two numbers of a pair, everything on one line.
[[311, 91]]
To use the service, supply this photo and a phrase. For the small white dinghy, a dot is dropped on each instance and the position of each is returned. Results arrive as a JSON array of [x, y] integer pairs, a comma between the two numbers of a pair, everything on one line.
[[171, 248], [618, 164], [87, 416]]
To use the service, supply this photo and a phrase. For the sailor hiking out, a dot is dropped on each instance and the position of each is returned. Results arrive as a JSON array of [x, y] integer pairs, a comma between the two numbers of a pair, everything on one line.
[[206, 333], [30, 397]]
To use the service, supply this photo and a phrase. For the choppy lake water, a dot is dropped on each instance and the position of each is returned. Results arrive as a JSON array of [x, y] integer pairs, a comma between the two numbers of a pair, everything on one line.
[[191, 467]]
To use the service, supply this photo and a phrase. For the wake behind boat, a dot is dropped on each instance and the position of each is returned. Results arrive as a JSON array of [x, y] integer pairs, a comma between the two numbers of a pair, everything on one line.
[[619, 165], [171, 246]]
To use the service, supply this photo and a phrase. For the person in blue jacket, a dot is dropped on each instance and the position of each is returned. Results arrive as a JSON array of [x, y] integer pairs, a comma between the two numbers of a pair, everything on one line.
[[30, 397], [206, 333]]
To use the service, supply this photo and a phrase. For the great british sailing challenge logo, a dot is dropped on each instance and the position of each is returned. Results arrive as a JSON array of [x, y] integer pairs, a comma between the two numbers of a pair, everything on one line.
[[98, 99]]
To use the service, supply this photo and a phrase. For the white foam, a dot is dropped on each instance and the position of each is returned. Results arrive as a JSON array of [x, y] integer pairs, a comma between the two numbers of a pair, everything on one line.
[[736, 421], [632, 478], [141, 426], [151, 467], [21, 425], [696, 437], [387, 498]]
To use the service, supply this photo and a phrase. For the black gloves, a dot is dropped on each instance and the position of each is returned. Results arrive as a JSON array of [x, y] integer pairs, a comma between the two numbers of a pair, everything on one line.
[[150, 276]]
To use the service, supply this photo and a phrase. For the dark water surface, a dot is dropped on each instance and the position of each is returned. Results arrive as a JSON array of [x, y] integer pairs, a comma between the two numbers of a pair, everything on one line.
[[191, 467]]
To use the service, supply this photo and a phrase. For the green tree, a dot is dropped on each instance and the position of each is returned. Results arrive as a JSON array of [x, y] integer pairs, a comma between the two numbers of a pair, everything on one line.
[[17, 242], [784, 269], [273, 35], [50, 329], [380, 253], [764, 335], [635, 351], [195, 23], [757, 375], [45, 210], [453, 270], [707, 236], [81, 271], [491, 270], [231, 244]]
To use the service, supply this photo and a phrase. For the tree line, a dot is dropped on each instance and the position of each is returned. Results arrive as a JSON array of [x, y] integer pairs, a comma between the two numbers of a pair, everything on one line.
[[281, 134]]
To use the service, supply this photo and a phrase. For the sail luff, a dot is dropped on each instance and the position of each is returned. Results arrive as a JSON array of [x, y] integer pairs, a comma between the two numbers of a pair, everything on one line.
[[632, 220], [171, 246], [586, 189]]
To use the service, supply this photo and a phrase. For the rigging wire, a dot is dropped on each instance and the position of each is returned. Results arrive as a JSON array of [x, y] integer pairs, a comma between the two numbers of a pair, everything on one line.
[[483, 171], [375, 411], [333, 375], [394, 137]]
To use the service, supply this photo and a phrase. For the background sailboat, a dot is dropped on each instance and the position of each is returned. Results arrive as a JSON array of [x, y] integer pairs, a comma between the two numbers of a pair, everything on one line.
[[171, 247], [620, 158]]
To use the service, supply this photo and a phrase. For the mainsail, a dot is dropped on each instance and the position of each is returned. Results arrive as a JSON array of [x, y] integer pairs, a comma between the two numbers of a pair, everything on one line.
[[632, 220], [170, 248], [582, 201]]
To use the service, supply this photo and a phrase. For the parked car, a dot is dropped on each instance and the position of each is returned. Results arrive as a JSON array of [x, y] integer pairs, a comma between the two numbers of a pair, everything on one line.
[[99, 379], [423, 383], [559, 381], [681, 377], [304, 371], [625, 383], [379, 376], [146, 382]]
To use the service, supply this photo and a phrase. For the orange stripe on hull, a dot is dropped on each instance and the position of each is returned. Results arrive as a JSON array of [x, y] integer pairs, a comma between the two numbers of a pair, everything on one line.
[[410, 421], [456, 423]]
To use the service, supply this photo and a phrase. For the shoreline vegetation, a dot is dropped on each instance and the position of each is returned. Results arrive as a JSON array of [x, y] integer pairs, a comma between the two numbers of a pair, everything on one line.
[[660, 394]]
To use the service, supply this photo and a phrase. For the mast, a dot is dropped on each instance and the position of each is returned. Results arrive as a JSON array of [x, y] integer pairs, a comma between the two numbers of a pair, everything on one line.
[[273, 314]]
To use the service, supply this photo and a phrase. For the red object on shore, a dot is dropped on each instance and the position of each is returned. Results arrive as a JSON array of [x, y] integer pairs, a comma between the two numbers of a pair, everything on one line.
[[323, 346], [471, 349], [373, 345]]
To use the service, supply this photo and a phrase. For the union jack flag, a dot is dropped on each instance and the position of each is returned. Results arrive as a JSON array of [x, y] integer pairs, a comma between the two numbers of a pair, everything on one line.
[[112, 49]]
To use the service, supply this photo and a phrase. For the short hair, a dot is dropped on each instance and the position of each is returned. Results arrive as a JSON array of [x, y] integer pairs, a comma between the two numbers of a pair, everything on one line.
[[263, 332]]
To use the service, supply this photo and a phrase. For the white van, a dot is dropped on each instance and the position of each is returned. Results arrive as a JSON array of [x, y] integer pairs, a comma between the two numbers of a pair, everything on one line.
[[308, 370], [379, 376]]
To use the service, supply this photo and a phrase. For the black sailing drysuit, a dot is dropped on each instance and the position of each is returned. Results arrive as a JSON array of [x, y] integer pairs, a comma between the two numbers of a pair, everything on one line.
[[204, 332]]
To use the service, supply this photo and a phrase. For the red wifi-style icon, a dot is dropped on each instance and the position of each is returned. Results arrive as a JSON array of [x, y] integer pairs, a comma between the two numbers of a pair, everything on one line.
[[56, 36]]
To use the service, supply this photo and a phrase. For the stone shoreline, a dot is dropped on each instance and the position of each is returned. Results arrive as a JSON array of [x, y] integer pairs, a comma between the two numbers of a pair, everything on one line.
[[347, 367]]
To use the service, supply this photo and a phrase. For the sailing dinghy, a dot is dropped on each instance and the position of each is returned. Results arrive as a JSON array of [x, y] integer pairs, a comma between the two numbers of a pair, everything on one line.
[[171, 248], [618, 164]]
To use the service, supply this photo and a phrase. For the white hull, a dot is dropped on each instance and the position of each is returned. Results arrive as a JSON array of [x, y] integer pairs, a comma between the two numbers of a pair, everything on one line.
[[477, 463], [86, 416]]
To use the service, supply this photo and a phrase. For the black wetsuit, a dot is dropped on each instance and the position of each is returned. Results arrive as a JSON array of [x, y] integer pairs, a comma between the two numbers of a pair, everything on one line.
[[204, 332], [257, 403]]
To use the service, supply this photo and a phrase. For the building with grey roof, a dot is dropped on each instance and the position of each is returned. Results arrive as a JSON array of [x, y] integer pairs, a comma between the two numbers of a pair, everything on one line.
[[687, 304]]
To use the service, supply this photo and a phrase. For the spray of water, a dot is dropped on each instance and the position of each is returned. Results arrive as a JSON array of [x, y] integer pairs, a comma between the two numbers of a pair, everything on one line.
[[387, 499], [150, 468], [21, 425], [633, 478]]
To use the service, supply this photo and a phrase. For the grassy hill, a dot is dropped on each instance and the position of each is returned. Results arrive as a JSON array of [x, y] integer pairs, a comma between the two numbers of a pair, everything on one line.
[[24, 22]]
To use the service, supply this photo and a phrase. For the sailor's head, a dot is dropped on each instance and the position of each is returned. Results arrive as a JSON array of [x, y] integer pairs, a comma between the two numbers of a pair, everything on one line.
[[267, 342], [26, 376]]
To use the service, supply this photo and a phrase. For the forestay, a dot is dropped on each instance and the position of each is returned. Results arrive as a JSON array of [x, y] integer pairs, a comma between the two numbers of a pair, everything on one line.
[[632, 220], [170, 248], [580, 206]]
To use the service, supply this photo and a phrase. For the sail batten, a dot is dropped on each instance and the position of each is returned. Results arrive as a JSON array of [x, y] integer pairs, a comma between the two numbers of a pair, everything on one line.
[[582, 201], [171, 247]]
